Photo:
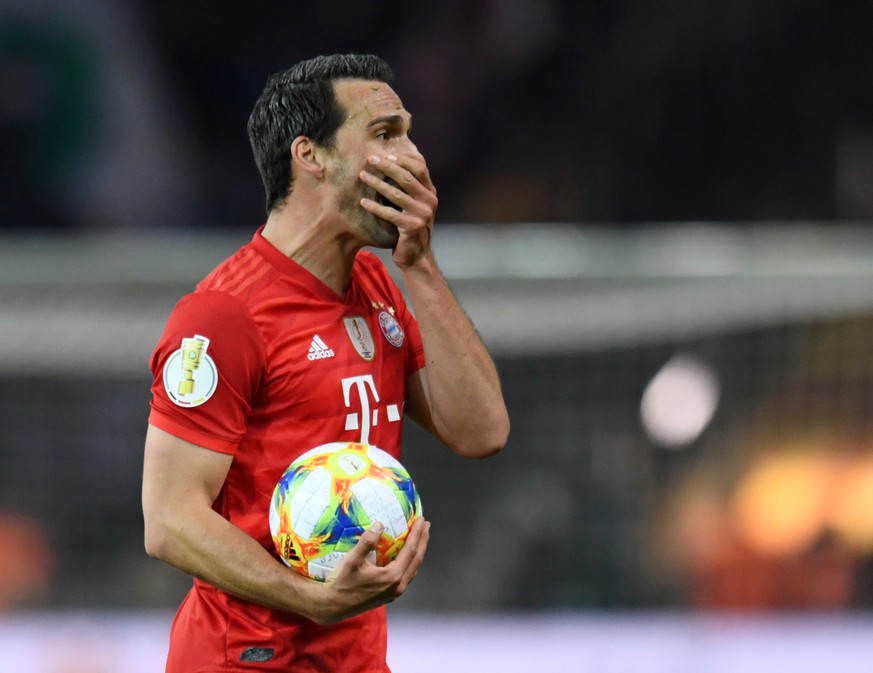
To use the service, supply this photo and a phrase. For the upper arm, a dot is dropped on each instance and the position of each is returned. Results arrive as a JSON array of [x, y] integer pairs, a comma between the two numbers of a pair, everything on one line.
[[179, 476], [213, 412], [463, 427]]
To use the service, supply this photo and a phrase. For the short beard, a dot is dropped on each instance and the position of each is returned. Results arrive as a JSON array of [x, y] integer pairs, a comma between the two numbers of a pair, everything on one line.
[[375, 231], [379, 233]]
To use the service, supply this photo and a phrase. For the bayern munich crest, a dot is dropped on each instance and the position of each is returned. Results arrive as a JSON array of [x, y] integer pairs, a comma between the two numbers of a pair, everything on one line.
[[391, 329]]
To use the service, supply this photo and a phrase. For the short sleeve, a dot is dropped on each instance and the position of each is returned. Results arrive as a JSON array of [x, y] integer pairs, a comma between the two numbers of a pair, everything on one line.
[[206, 369]]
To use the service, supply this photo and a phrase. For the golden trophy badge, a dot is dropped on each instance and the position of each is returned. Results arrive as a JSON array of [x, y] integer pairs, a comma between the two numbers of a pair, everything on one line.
[[190, 376], [192, 352], [360, 336]]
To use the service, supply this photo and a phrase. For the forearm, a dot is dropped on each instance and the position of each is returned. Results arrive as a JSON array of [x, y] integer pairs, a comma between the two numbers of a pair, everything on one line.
[[203, 544], [463, 387], [463, 404], [181, 481]]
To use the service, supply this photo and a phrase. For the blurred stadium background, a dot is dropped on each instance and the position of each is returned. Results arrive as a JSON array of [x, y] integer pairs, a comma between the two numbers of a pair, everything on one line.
[[658, 215]]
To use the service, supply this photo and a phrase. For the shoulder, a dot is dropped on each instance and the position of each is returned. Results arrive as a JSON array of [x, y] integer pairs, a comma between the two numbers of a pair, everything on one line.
[[219, 320], [371, 272], [242, 274], [377, 281], [368, 262], [212, 306], [213, 313]]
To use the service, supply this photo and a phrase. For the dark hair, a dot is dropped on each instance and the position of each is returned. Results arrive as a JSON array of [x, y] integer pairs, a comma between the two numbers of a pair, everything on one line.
[[300, 101]]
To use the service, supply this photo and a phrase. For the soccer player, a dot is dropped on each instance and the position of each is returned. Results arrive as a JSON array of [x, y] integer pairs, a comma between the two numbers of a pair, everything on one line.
[[299, 339]]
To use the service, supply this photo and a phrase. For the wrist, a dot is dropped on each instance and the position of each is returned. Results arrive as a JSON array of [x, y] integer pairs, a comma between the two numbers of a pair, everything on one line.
[[424, 265]]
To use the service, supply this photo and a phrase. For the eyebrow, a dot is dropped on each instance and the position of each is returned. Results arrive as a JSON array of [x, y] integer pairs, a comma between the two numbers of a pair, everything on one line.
[[390, 120]]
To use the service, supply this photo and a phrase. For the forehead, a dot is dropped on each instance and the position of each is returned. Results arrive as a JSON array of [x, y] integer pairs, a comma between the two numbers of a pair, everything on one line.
[[364, 100]]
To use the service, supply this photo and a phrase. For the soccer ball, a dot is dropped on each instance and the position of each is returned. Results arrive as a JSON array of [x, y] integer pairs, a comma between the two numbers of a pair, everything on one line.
[[330, 495]]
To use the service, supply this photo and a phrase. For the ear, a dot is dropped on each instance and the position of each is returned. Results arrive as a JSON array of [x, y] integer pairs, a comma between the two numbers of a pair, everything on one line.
[[306, 157]]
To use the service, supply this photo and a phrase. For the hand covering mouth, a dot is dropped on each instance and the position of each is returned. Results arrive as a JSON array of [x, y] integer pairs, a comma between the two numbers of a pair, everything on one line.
[[383, 200]]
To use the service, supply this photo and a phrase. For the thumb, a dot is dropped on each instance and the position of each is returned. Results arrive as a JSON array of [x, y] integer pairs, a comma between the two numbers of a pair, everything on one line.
[[371, 536], [368, 541]]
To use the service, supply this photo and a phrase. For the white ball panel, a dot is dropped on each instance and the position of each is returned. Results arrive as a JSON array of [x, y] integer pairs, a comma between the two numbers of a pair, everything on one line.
[[320, 568], [274, 520], [309, 502], [380, 503], [324, 448], [383, 458]]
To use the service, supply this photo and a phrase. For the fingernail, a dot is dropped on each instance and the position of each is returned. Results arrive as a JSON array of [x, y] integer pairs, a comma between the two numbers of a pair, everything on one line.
[[377, 527], [391, 157], [374, 159]]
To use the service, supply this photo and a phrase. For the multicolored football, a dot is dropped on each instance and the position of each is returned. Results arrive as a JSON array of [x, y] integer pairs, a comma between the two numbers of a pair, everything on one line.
[[330, 495]]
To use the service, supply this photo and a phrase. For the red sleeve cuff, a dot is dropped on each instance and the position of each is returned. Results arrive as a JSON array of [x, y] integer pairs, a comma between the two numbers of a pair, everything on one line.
[[211, 442]]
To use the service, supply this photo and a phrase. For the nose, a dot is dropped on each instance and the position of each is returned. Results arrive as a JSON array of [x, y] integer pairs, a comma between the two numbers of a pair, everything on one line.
[[407, 147]]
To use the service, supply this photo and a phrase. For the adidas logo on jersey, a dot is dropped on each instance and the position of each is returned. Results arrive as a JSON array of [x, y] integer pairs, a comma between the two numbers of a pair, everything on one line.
[[318, 350]]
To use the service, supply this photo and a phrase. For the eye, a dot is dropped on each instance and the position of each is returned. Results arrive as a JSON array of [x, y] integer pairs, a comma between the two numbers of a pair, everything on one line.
[[382, 135]]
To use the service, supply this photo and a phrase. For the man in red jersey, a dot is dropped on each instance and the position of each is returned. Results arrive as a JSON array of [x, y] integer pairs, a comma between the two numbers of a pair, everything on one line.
[[299, 339]]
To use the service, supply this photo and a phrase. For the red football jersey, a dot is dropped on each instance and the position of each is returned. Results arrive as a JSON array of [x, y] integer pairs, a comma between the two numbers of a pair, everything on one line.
[[263, 361]]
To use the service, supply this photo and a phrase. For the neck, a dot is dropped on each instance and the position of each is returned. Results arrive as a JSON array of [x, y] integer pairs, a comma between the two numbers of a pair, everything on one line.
[[310, 237]]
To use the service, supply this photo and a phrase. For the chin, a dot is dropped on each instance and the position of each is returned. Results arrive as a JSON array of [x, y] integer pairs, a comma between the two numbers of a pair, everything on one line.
[[382, 234], [390, 238]]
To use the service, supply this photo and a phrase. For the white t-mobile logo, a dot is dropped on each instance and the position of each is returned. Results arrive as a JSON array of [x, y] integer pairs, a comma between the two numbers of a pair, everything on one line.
[[369, 414]]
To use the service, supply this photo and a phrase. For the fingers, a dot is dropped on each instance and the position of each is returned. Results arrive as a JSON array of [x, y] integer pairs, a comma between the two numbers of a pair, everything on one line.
[[411, 556], [366, 544], [406, 184], [416, 541], [407, 171], [357, 585], [412, 203]]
